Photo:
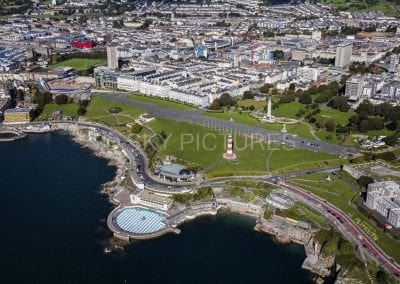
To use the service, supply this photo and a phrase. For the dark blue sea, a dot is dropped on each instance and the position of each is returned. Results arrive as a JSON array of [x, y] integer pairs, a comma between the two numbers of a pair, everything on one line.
[[53, 229]]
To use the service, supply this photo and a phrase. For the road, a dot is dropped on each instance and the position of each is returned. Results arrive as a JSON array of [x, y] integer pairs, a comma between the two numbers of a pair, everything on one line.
[[139, 165], [196, 117], [351, 227]]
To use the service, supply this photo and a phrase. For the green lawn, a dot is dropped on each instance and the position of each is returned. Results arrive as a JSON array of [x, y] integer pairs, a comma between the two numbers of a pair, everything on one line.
[[98, 110], [196, 144], [288, 110], [243, 117], [337, 116], [299, 129], [79, 63], [251, 102], [340, 194], [67, 109], [284, 161], [158, 101], [302, 130]]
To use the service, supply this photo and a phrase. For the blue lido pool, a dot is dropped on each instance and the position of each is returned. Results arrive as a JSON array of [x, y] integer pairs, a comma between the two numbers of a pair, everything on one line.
[[139, 220]]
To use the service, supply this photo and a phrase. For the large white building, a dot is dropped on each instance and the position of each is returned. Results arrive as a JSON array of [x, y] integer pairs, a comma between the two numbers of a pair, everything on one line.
[[384, 197], [112, 56], [394, 61], [354, 88], [134, 84], [343, 54]]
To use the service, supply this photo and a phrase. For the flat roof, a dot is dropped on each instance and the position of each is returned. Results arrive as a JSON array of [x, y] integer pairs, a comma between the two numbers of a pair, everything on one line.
[[17, 110]]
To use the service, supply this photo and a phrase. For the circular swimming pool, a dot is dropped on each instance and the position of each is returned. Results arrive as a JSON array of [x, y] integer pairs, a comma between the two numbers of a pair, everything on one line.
[[138, 220]]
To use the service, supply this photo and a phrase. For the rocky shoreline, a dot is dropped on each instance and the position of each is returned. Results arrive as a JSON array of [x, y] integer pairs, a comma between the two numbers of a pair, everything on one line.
[[284, 232], [114, 156], [319, 266]]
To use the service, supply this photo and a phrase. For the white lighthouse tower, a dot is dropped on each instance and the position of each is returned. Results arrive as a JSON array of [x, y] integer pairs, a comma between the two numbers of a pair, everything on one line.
[[229, 155]]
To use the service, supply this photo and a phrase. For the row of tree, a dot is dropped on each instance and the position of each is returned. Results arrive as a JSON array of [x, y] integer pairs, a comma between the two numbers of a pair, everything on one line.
[[385, 110]]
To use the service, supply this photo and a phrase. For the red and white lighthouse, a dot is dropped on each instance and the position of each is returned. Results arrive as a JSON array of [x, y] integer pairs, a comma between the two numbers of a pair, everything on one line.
[[229, 155]]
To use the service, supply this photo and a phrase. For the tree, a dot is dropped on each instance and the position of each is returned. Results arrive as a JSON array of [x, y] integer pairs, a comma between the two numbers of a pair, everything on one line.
[[393, 125], [136, 128], [363, 126], [390, 140], [339, 103], [81, 111], [248, 95], [387, 156], [330, 125], [61, 99], [265, 89], [226, 100], [364, 181], [215, 105], [20, 95], [375, 123], [305, 98], [366, 108]]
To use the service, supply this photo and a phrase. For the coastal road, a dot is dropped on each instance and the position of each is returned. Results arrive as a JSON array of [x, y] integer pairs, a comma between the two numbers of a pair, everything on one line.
[[351, 227], [195, 116], [139, 158]]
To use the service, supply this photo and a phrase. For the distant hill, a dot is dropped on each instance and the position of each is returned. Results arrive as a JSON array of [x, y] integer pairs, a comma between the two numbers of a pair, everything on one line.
[[9, 7], [389, 7]]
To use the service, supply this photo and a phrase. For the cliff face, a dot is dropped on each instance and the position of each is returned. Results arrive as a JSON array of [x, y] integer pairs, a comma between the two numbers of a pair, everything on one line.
[[286, 232]]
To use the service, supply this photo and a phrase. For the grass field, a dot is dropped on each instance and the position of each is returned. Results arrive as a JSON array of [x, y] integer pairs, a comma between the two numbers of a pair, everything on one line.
[[79, 63], [340, 194], [251, 102], [243, 117], [158, 101], [98, 110], [288, 110], [337, 116], [205, 147], [67, 109], [300, 129]]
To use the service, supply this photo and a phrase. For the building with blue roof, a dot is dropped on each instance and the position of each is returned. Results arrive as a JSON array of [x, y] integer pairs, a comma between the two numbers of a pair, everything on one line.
[[176, 172]]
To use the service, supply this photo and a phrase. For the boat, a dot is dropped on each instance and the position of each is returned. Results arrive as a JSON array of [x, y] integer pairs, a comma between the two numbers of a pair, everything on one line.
[[37, 129]]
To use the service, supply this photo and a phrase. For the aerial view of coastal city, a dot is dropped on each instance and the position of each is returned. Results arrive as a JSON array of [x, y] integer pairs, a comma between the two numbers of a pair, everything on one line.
[[200, 141]]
